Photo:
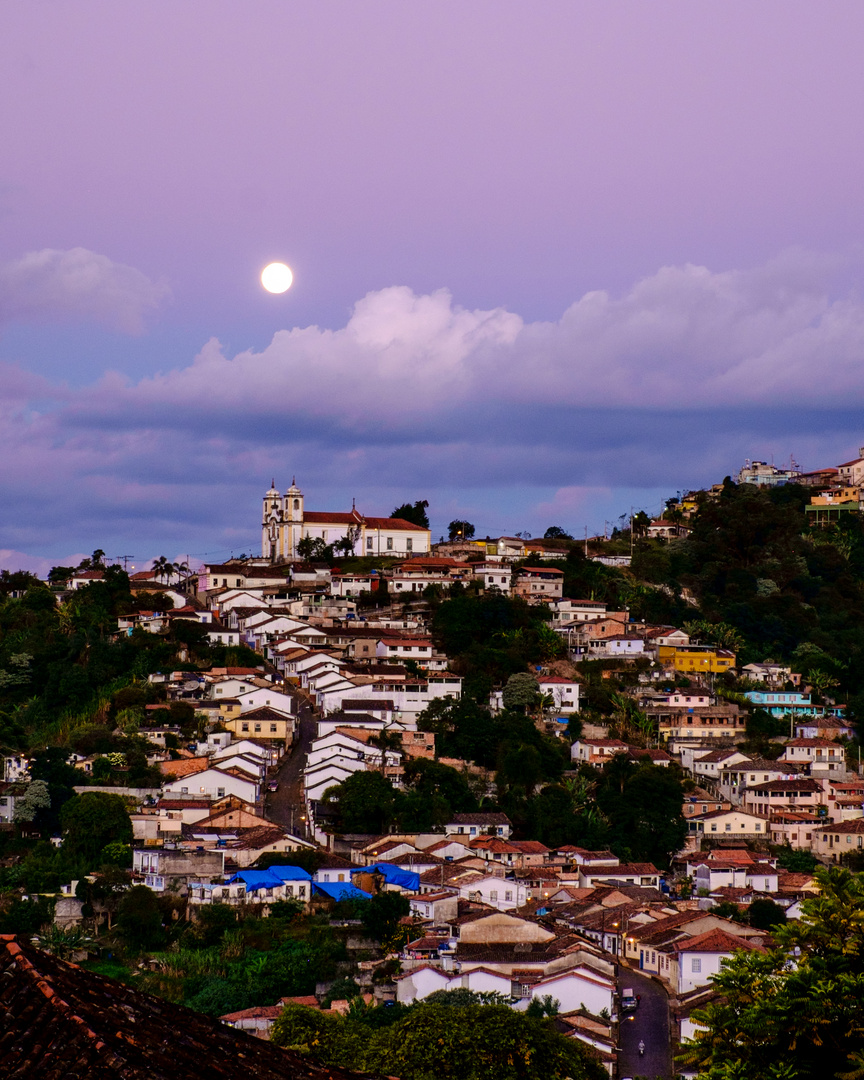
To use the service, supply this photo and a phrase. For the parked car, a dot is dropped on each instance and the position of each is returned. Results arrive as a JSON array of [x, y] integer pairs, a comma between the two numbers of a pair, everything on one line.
[[629, 1001]]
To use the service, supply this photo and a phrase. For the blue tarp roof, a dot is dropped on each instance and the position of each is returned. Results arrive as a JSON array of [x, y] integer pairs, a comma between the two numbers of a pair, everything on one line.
[[270, 878], [256, 879], [341, 890], [393, 875], [290, 873]]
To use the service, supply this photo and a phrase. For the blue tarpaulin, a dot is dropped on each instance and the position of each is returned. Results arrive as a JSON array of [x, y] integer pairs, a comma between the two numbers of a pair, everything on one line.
[[271, 878], [393, 875], [341, 890]]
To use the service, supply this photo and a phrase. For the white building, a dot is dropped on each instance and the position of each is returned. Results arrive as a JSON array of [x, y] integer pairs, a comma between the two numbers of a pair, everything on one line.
[[285, 522]]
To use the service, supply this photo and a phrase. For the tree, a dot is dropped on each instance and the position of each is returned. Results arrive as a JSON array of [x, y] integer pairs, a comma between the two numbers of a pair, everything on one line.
[[93, 820], [382, 919], [521, 692], [139, 918], [460, 530], [413, 512], [796, 1011], [555, 532], [765, 914], [642, 803], [364, 803], [36, 797], [440, 1040]]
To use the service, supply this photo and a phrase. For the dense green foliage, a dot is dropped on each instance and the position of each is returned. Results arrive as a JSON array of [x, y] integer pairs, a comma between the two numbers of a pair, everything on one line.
[[435, 1041], [368, 803], [413, 512], [62, 665], [797, 1011]]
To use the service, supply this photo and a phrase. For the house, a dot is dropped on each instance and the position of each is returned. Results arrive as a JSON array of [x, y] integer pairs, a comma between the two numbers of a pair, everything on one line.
[[562, 693], [161, 868], [539, 584], [438, 908], [262, 722], [285, 522], [792, 703], [643, 874], [216, 783], [698, 723], [700, 801], [492, 576], [724, 822], [478, 823], [774, 675], [820, 755], [709, 765], [851, 473], [596, 751], [691, 963], [699, 659], [666, 530], [831, 842], [803, 794], [735, 779]]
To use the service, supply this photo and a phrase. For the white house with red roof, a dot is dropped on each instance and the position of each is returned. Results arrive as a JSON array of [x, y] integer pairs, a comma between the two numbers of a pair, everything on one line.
[[691, 962], [285, 522]]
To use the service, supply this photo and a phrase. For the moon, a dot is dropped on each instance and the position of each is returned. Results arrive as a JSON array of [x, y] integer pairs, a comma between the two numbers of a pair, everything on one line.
[[277, 277]]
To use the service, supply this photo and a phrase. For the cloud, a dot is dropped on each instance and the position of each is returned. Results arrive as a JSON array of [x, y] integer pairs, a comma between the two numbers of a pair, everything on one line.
[[667, 386], [80, 285]]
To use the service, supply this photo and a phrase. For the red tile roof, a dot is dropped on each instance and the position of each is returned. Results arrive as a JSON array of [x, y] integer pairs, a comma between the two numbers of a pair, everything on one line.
[[61, 1021], [715, 941]]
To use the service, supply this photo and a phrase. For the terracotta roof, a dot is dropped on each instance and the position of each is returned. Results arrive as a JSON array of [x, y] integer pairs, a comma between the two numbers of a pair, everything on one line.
[[856, 826], [184, 767], [479, 819], [715, 941], [798, 786], [61, 1021]]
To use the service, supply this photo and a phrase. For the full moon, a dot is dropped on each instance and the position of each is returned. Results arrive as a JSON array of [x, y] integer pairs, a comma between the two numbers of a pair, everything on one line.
[[277, 277]]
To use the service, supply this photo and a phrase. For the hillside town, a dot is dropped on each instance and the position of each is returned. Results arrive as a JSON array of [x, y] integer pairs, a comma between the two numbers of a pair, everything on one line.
[[478, 782]]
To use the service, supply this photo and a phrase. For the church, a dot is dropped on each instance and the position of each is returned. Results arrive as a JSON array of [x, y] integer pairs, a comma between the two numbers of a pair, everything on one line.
[[286, 522]]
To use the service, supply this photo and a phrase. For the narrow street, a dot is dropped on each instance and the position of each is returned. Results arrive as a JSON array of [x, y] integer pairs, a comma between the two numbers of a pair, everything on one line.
[[285, 806], [649, 1024]]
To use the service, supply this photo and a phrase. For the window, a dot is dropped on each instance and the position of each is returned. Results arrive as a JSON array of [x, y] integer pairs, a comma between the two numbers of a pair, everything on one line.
[[728, 828], [409, 544], [696, 965], [272, 727], [244, 727], [493, 896], [389, 543], [220, 792], [368, 543], [296, 504]]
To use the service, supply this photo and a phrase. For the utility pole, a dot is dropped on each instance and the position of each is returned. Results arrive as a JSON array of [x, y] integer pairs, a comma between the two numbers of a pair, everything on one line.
[[586, 541], [125, 559]]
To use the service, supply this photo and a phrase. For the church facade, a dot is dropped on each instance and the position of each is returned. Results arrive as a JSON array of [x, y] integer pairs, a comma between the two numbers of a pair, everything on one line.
[[286, 521]]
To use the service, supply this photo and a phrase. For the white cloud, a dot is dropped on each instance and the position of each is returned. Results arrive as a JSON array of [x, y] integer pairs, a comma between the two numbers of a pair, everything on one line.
[[77, 284], [684, 337], [671, 384]]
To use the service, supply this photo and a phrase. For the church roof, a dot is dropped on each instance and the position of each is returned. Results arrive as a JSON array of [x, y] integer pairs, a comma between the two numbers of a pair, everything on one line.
[[354, 517]]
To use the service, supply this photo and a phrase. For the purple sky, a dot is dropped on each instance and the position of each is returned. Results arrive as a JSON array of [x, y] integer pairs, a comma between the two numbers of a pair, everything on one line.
[[551, 260]]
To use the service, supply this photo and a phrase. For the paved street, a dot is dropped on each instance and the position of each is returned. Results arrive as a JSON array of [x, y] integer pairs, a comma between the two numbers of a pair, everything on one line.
[[650, 1023], [285, 806]]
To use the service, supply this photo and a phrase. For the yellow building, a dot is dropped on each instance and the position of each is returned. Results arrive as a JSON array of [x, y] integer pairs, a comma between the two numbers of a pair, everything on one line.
[[696, 659], [261, 723]]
